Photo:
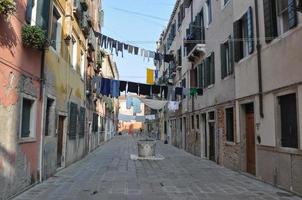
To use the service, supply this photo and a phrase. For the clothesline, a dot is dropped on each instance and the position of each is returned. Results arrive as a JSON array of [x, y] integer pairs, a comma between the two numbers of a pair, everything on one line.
[[119, 47]]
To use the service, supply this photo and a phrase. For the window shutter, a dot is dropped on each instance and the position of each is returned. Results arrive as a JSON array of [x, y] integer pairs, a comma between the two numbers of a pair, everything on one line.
[[82, 121], [200, 75], [250, 30], [292, 14], [73, 115], [207, 72], [223, 59], [212, 68], [42, 19], [29, 8], [231, 55], [270, 20], [202, 25], [237, 40]]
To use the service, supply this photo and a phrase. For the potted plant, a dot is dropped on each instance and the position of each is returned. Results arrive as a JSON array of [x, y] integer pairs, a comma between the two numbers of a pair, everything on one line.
[[33, 36], [7, 7]]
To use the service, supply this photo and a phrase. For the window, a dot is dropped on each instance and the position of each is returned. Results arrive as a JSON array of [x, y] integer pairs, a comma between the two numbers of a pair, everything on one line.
[[50, 115], [193, 77], [279, 17], [82, 122], [197, 121], [192, 121], [226, 52], [55, 29], [73, 53], [31, 11], [229, 116], [82, 65], [28, 118], [179, 57], [244, 35], [289, 127], [208, 71], [211, 116], [95, 122], [209, 11], [73, 116]]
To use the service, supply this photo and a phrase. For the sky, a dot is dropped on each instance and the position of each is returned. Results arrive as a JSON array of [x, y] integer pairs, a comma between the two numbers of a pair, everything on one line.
[[137, 22]]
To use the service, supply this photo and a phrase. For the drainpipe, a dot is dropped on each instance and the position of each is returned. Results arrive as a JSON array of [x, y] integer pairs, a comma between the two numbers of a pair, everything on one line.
[[42, 89], [259, 61]]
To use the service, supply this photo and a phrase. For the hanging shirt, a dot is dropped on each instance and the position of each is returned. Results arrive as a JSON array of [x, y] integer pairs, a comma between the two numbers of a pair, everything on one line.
[[115, 88], [136, 49], [136, 105], [123, 85], [105, 86], [133, 87], [130, 49], [178, 91], [144, 89], [155, 89]]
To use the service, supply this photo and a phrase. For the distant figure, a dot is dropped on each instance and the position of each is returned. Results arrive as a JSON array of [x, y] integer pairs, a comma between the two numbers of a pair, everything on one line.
[[140, 131]]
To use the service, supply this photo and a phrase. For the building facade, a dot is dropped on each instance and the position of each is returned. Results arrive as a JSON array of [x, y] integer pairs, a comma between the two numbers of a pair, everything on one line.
[[244, 54]]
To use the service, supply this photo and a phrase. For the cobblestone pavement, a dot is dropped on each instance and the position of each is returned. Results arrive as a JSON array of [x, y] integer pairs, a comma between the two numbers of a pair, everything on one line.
[[108, 173]]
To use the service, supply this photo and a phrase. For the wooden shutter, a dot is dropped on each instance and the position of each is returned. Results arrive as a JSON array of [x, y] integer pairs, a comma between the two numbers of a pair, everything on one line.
[[250, 30], [270, 20], [202, 25], [212, 69], [207, 72], [73, 114], [238, 51], [29, 8], [200, 75], [231, 54], [43, 8], [292, 14], [223, 61], [82, 121]]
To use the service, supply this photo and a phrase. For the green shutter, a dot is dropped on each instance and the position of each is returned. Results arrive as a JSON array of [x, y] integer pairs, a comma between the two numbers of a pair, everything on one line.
[[200, 76], [73, 116], [270, 20], [223, 61], [250, 30], [231, 54], [207, 72], [237, 40], [29, 8], [82, 121], [292, 14], [43, 8], [212, 69]]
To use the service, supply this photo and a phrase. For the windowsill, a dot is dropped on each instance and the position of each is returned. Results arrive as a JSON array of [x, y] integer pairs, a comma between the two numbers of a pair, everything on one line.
[[228, 143], [26, 140]]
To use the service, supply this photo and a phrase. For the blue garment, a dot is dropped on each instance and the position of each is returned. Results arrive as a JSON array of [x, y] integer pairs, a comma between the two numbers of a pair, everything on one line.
[[136, 105], [105, 86], [115, 88], [129, 103]]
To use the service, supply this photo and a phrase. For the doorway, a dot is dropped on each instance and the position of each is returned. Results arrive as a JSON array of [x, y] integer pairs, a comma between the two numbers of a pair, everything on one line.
[[212, 141], [250, 139], [204, 126], [60, 141]]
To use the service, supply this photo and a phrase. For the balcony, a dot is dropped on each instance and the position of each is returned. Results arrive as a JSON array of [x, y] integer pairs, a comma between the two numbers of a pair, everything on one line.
[[198, 52]]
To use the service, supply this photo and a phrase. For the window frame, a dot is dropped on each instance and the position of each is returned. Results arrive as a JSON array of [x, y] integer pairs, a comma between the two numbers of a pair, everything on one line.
[[82, 64], [209, 11], [58, 39], [233, 125], [33, 118], [74, 52]]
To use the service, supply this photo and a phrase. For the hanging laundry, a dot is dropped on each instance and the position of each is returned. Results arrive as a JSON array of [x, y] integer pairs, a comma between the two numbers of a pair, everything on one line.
[[164, 92], [110, 41], [120, 48], [150, 117], [146, 55], [105, 86], [142, 52], [178, 91], [126, 118], [123, 85], [136, 103], [126, 46], [173, 106], [136, 49], [130, 49], [129, 102], [144, 89], [115, 88], [150, 76], [171, 93], [155, 89], [140, 118], [199, 91], [156, 74], [154, 104], [97, 82], [157, 56], [193, 91], [152, 54], [168, 58], [133, 87], [104, 41]]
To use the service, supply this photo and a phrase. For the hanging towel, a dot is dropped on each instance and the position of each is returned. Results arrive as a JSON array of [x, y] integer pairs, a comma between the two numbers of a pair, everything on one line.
[[115, 88], [130, 49], [157, 57], [150, 76], [155, 89], [120, 48], [151, 54], [136, 103], [129, 102], [171, 93], [104, 41], [146, 55], [133, 87], [150, 117], [144, 89], [142, 52], [136, 49], [126, 118], [154, 104], [173, 106], [140, 118], [126, 46], [156, 74], [123, 85], [199, 91], [105, 86]]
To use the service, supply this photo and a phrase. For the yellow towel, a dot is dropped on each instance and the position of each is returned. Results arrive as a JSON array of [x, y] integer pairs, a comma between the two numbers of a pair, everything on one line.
[[150, 76]]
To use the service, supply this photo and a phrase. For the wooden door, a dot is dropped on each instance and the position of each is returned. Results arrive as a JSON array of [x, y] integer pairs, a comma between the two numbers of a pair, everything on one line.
[[60, 140], [250, 141], [212, 141]]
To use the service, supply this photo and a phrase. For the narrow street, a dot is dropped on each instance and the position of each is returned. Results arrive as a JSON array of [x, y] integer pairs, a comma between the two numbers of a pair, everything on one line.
[[109, 173]]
